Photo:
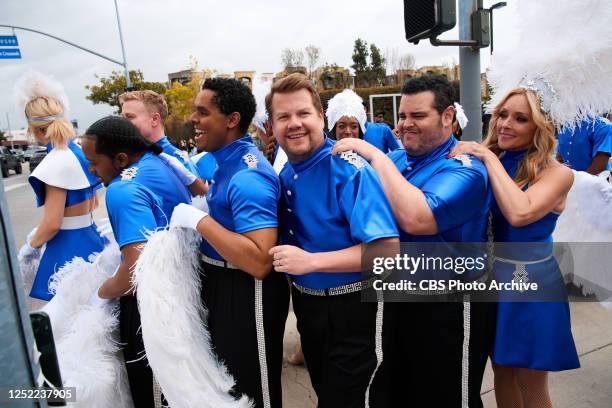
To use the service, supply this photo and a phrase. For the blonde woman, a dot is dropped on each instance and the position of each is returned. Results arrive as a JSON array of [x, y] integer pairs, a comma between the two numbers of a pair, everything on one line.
[[62, 184], [533, 335]]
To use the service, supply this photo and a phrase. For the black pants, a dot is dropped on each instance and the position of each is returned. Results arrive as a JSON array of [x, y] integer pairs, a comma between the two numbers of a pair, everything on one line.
[[139, 373], [436, 352], [229, 296], [338, 339]]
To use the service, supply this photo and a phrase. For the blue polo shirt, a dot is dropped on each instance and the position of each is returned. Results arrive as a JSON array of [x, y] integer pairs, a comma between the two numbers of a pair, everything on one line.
[[142, 198], [457, 191], [579, 147], [245, 190], [330, 203], [206, 165], [381, 136], [182, 156]]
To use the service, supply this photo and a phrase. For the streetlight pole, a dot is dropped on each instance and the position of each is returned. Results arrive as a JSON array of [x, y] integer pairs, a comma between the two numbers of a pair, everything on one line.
[[128, 82], [469, 61], [493, 7]]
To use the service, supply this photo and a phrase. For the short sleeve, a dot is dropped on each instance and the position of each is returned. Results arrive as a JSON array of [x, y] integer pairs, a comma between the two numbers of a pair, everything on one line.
[[390, 139], [253, 196], [130, 207], [366, 207], [449, 192], [601, 137]]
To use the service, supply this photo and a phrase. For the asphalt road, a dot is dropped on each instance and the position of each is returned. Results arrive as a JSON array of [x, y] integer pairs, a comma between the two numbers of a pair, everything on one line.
[[589, 386]]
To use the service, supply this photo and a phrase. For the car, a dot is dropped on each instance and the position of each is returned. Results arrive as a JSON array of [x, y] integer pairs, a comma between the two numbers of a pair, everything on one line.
[[19, 153], [27, 155], [9, 161], [36, 158]]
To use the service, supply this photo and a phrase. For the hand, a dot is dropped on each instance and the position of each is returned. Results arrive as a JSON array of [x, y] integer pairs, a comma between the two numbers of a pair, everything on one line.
[[361, 147], [292, 260], [28, 253], [186, 216], [186, 177], [200, 203], [475, 149], [105, 229]]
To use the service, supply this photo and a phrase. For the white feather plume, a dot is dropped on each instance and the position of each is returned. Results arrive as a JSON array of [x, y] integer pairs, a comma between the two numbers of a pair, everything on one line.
[[86, 337], [176, 340], [33, 84], [567, 45], [261, 87], [345, 103], [585, 224]]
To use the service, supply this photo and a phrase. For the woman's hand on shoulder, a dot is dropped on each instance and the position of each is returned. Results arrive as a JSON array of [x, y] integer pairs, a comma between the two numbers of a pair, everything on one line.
[[475, 149]]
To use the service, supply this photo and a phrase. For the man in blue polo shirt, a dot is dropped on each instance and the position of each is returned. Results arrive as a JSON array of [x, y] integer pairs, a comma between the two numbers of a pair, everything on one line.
[[330, 207], [587, 147], [141, 195], [441, 346], [148, 110], [247, 305]]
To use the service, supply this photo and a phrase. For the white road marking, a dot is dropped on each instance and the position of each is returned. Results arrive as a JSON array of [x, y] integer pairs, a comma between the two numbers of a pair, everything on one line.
[[14, 186]]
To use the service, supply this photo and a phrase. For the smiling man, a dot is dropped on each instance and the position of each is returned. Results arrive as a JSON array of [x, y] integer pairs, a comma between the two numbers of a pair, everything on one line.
[[441, 346], [147, 110], [247, 306], [330, 206]]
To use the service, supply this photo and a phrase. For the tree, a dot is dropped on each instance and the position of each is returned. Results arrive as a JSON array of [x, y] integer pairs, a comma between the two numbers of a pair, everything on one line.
[[109, 88], [398, 61], [360, 56], [2, 137], [312, 54], [292, 58], [406, 62], [377, 66]]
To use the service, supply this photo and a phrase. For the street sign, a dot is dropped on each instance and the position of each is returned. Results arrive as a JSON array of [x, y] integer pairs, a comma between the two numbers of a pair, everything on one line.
[[10, 53], [8, 41]]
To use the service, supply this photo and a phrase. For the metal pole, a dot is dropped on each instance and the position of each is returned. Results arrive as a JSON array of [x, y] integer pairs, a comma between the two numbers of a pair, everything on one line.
[[469, 63], [125, 66], [9, 129]]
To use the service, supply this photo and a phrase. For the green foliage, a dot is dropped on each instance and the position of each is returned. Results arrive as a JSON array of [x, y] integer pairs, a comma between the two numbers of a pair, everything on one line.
[[2, 136], [377, 64], [360, 56], [109, 88]]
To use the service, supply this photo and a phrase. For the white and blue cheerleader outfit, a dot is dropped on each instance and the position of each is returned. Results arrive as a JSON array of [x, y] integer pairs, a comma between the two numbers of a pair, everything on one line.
[[65, 168], [533, 327]]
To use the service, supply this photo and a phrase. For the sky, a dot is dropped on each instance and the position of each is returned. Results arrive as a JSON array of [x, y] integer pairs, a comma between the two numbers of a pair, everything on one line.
[[159, 37]]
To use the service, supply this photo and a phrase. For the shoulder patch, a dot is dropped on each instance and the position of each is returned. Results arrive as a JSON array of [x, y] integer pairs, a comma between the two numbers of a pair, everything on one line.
[[464, 159], [353, 158], [251, 160], [129, 173]]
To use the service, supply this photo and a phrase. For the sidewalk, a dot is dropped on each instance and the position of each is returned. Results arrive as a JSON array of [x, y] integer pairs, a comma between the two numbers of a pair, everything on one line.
[[587, 387]]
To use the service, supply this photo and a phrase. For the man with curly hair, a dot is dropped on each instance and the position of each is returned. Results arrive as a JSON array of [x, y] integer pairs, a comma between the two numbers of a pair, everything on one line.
[[247, 306]]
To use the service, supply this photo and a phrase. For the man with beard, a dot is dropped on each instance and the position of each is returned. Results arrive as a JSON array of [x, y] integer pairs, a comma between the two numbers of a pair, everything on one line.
[[440, 346]]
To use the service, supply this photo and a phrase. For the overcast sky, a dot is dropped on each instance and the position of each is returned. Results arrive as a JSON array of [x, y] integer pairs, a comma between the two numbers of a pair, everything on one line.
[[224, 35]]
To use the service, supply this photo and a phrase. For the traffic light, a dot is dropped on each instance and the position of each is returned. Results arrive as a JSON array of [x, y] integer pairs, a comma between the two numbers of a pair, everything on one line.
[[428, 18]]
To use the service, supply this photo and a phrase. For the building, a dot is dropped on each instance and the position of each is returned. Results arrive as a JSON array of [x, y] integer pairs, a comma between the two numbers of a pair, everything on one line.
[[332, 77]]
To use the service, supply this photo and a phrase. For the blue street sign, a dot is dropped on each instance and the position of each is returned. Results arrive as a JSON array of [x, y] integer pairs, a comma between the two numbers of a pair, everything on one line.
[[10, 53], [8, 41]]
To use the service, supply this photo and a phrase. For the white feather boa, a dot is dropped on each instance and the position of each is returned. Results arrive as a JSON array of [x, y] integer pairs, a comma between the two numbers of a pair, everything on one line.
[[86, 337], [586, 225], [176, 340], [568, 44]]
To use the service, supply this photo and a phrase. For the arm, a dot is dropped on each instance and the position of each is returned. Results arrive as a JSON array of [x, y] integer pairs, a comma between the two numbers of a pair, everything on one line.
[[198, 188], [53, 215], [296, 261], [599, 163], [520, 207], [410, 208], [120, 284], [247, 251]]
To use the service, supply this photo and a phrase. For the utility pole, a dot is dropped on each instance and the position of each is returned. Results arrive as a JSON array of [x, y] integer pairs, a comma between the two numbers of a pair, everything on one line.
[[469, 62]]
